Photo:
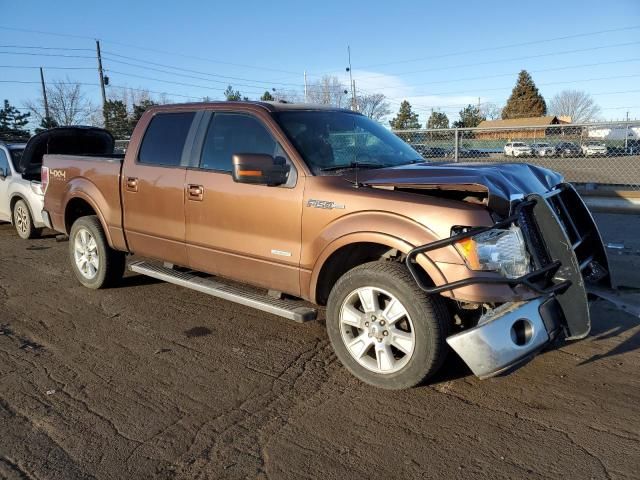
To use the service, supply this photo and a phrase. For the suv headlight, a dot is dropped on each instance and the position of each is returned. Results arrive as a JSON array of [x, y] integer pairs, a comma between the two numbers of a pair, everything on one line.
[[500, 250]]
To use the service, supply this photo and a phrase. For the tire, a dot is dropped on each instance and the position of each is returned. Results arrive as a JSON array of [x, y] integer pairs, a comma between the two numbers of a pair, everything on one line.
[[94, 262], [23, 221], [426, 320]]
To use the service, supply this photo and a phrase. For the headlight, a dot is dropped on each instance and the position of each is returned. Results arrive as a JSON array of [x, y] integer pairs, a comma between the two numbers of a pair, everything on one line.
[[501, 250]]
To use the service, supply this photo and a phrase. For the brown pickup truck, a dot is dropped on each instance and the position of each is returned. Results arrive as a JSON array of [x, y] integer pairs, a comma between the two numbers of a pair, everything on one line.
[[283, 207]]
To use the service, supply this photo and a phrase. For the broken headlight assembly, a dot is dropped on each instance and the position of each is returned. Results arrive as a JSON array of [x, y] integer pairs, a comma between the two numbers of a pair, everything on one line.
[[499, 250]]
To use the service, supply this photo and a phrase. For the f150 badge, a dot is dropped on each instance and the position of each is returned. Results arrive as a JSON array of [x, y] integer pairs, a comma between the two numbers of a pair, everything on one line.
[[324, 204], [59, 174]]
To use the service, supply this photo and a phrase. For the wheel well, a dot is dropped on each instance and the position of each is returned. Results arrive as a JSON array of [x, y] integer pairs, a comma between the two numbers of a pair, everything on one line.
[[346, 258], [76, 208], [13, 202]]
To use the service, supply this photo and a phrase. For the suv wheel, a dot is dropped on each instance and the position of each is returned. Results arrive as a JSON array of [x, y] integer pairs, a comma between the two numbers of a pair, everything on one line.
[[384, 329], [23, 221], [94, 262]]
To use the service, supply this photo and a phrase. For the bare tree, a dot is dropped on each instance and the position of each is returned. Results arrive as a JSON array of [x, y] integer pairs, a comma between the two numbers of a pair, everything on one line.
[[68, 104], [576, 104], [491, 111], [373, 105], [328, 91], [289, 96]]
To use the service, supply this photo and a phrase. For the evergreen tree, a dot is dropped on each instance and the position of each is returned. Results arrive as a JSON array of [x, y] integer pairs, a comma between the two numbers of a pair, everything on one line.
[[525, 99], [438, 120], [470, 116], [116, 119], [406, 119], [232, 95], [46, 123], [13, 123], [267, 97], [138, 111]]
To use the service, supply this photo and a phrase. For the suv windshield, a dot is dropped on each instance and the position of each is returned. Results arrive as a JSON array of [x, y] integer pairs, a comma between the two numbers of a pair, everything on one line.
[[330, 141]]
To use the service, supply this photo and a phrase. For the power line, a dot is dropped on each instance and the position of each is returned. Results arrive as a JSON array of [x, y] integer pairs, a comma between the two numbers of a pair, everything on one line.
[[540, 55], [105, 40], [47, 55], [44, 48], [511, 74], [502, 47], [146, 67], [47, 67]]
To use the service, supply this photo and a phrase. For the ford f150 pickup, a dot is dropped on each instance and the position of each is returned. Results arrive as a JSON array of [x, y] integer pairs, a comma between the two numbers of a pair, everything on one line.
[[323, 206]]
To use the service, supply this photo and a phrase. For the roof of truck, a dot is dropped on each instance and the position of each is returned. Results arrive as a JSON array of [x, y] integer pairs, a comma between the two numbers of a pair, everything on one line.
[[270, 106]]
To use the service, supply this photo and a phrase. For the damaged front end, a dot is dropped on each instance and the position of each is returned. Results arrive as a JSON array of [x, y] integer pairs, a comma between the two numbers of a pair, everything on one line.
[[565, 251]]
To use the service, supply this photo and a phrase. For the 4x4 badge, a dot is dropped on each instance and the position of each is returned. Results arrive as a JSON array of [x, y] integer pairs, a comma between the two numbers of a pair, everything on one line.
[[324, 204]]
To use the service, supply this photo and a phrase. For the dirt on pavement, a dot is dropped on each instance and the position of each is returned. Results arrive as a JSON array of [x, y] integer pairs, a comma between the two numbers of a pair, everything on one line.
[[153, 381]]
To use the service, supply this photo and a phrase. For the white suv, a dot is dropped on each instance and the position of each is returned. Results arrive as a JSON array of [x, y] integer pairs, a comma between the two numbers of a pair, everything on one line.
[[21, 197], [591, 149], [516, 149]]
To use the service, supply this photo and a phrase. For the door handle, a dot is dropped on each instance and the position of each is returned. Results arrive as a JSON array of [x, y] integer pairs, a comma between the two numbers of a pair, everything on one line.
[[132, 184], [196, 192]]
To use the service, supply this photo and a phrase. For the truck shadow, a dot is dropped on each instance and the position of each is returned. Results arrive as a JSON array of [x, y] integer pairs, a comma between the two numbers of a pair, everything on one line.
[[611, 321], [136, 281]]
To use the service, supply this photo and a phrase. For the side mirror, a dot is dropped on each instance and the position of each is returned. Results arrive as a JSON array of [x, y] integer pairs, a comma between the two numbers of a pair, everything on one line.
[[259, 169], [3, 173]]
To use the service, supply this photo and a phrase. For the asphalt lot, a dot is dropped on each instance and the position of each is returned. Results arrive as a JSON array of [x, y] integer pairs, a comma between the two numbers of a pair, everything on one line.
[[150, 380]]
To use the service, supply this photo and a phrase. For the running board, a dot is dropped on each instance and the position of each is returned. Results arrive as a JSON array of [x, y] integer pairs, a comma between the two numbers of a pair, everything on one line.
[[293, 310]]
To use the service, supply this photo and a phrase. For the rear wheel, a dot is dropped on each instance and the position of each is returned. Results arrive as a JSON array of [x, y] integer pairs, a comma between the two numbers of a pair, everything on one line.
[[384, 329], [94, 262], [23, 221]]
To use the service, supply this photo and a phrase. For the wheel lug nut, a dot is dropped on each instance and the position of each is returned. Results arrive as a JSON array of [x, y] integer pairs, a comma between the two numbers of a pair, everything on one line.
[[385, 333], [366, 324], [381, 322], [373, 317]]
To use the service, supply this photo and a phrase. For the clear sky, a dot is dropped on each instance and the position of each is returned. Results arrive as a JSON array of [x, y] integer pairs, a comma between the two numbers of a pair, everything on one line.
[[436, 54]]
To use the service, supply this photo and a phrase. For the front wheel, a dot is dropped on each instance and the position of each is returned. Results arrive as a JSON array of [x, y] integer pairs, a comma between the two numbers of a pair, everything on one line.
[[94, 262], [384, 329]]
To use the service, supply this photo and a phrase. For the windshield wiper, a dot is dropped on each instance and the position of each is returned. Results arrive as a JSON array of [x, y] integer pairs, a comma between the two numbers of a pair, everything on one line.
[[352, 165]]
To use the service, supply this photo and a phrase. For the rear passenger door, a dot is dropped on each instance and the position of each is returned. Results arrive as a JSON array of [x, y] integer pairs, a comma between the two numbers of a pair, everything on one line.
[[240, 231], [153, 186]]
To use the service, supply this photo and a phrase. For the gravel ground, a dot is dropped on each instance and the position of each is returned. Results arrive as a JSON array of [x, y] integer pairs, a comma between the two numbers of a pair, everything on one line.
[[153, 381]]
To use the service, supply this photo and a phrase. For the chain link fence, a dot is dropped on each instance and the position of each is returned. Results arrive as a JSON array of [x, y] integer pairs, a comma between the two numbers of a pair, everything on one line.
[[593, 153]]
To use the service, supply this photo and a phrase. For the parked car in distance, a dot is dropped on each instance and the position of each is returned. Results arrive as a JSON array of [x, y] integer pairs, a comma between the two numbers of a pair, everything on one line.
[[21, 195], [517, 149], [433, 152], [593, 148], [411, 258], [542, 149], [568, 149]]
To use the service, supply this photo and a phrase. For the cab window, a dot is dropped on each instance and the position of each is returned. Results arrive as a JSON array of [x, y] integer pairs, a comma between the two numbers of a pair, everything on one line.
[[164, 139], [229, 134]]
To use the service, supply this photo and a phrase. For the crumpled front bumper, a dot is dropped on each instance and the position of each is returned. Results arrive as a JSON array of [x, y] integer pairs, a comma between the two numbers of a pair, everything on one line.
[[567, 251], [507, 336]]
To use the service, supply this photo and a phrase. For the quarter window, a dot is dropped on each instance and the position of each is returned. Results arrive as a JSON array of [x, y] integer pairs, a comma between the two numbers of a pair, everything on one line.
[[165, 138], [4, 163], [229, 134]]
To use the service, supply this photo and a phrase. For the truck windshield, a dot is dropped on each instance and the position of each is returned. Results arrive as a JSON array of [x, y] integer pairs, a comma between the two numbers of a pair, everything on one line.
[[332, 141]]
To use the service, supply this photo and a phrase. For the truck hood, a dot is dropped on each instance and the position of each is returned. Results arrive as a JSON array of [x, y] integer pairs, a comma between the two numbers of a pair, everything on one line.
[[500, 182], [76, 140]]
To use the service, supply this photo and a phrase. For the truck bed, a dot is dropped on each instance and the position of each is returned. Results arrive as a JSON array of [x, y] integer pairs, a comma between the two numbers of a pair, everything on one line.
[[92, 178]]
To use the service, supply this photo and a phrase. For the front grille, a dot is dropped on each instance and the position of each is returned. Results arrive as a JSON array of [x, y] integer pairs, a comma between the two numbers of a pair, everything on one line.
[[580, 229], [533, 237]]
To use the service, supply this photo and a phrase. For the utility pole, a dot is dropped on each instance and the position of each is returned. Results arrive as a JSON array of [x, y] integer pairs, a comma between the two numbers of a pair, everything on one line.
[[44, 97], [305, 87], [353, 93], [355, 104], [626, 134], [101, 74]]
